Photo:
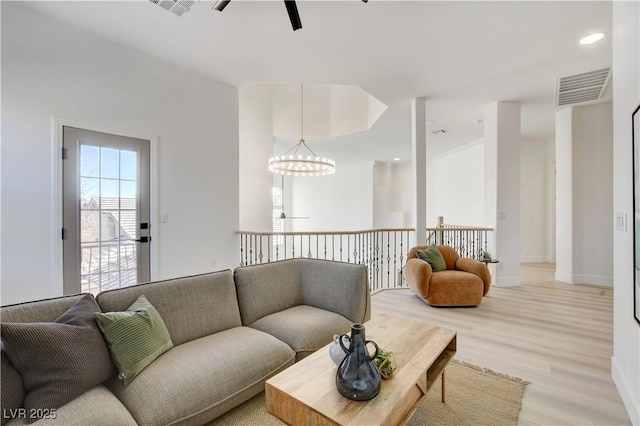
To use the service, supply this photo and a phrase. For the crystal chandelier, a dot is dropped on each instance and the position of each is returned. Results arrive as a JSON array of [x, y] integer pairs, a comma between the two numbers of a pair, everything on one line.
[[293, 162]]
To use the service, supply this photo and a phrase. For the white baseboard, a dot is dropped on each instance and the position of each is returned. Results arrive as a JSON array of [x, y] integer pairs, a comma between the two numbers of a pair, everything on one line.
[[565, 278], [507, 281], [631, 402], [533, 259], [594, 280], [584, 279]]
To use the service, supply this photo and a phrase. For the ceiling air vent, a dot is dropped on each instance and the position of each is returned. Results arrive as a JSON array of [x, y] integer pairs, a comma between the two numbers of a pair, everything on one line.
[[178, 7], [585, 87]]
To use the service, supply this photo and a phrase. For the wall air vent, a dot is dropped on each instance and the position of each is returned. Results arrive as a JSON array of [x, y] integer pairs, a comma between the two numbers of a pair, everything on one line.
[[585, 87], [178, 7]]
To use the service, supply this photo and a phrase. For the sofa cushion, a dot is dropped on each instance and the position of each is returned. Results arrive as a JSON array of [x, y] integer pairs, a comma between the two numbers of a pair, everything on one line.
[[96, 407], [60, 360], [191, 307], [337, 287], [11, 389], [449, 254], [135, 337], [268, 288], [455, 288], [433, 256], [305, 328], [199, 380]]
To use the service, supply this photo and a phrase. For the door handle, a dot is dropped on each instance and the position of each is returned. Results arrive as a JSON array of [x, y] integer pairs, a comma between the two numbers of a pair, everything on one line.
[[143, 240]]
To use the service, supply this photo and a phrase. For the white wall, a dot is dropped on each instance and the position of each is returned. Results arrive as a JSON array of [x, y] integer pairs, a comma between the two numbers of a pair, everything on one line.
[[534, 202], [339, 202], [256, 147], [584, 177], [389, 193], [54, 69], [551, 200], [455, 186], [625, 363], [593, 196], [402, 192]]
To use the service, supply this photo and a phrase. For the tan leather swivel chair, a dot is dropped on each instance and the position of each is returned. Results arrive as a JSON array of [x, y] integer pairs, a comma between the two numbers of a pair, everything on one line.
[[464, 283]]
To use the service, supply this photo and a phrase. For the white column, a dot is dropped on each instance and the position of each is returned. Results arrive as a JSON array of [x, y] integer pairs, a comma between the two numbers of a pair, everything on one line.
[[564, 195], [419, 168], [584, 178], [502, 188]]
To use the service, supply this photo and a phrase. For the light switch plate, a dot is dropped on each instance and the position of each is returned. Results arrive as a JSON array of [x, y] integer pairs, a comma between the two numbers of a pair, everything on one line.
[[621, 222]]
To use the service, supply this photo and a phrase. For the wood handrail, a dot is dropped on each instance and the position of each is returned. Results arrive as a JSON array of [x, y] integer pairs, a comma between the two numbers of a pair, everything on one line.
[[366, 231], [463, 228]]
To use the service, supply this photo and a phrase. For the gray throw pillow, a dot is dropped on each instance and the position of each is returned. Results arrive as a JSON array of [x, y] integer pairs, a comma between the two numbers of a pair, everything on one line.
[[12, 391], [60, 360], [136, 337]]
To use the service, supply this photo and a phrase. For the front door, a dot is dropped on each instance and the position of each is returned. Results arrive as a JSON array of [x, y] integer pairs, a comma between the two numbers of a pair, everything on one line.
[[106, 239]]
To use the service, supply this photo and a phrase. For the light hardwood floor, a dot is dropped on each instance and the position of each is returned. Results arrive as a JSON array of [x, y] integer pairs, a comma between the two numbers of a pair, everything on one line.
[[557, 336]]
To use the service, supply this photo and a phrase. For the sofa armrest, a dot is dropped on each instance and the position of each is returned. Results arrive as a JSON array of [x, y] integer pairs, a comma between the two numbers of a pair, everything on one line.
[[418, 276], [477, 268], [338, 287]]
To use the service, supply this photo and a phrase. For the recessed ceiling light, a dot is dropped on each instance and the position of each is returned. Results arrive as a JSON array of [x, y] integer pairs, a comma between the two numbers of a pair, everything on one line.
[[591, 38], [396, 159]]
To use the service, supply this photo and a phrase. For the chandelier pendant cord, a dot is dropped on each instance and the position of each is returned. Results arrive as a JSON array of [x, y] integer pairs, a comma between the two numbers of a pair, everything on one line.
[[298, 146], [301, 142], [292, 163]]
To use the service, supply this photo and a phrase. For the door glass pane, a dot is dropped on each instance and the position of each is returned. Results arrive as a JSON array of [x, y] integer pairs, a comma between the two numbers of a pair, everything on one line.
[[128, 191], [90, 259], [110, 163], [109, 258], [128, 256], [89, 193], [110, 189], [128, 165], [128, 278], [90, 163], [89, 226], [108, 218], [109, 281], [109, 225], [90, 283], [128, 223]]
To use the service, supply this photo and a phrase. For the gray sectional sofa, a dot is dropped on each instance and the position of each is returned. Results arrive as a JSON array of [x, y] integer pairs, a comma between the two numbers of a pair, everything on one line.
[[231, 331]]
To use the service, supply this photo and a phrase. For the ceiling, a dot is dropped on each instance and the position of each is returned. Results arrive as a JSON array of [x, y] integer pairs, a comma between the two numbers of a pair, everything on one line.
[[461, 56]]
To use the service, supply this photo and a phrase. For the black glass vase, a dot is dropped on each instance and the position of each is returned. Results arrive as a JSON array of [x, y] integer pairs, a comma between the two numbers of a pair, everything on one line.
[[358, 378]]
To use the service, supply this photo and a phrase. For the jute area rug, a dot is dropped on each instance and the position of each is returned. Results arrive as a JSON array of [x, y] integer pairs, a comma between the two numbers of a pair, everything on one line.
[[474, 395]]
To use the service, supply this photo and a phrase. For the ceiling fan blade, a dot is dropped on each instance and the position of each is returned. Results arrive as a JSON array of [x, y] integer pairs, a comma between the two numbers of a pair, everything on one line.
[[294, 17], [220, 5], [284, 216]]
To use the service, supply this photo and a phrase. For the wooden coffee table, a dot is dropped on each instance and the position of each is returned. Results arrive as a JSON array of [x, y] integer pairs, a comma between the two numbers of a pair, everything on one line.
[[306, 393]]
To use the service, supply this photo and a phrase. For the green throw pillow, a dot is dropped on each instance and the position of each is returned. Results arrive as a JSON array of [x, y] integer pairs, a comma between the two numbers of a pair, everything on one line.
[[433, 256], [135, 337]]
